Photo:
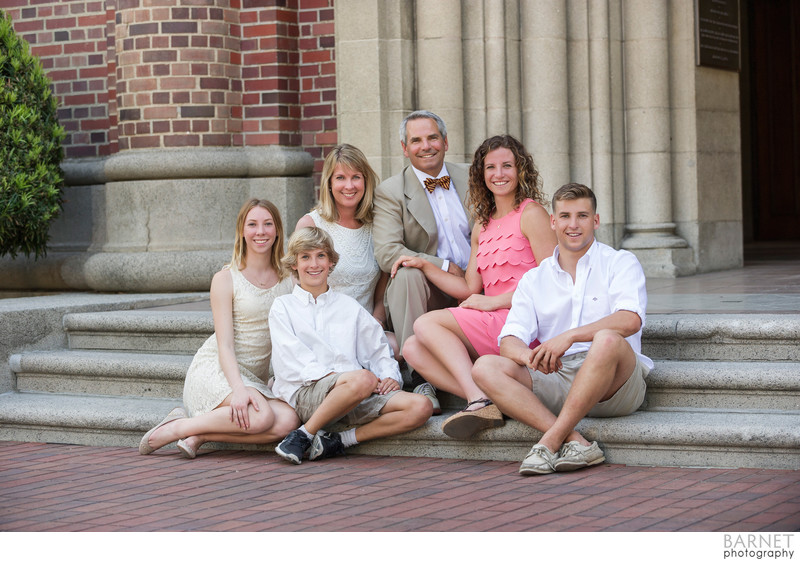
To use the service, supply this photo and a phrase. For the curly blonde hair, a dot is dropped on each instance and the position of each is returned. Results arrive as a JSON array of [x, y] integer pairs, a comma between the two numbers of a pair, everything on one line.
[[480, 199]]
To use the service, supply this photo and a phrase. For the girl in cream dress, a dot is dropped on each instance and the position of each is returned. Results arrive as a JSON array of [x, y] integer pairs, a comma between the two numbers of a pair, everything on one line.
[[226, 392]]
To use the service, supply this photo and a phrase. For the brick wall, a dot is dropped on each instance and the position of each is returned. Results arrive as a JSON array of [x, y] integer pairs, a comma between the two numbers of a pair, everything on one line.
[[317, 79], [72, 41], [181, 73]]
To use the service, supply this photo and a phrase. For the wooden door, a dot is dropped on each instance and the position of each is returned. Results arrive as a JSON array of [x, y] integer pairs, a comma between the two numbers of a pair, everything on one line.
[[775, 94]]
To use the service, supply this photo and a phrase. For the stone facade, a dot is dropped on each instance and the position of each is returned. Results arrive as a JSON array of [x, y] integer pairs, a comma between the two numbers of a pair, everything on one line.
[[178, 110], [604, 93]]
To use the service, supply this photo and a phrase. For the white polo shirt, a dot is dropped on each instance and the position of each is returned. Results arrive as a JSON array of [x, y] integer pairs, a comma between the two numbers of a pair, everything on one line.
[[547, 303]]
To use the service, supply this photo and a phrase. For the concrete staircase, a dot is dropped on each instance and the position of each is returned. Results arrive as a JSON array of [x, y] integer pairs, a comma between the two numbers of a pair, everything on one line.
[[725, 392]]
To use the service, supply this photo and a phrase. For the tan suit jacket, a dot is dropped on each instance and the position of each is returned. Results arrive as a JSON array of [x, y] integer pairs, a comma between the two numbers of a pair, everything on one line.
[[404, 223]]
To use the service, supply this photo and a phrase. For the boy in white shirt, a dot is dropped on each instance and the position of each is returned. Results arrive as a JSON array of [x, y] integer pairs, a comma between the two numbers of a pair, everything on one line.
[[332, 360], [587, 304]]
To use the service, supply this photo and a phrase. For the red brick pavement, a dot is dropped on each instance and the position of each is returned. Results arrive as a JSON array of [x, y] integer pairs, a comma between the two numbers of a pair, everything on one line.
[[51, 487]]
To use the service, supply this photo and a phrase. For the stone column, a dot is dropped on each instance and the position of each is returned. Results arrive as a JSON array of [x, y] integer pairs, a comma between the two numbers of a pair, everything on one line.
[[374, 77], [545, 96], [491, 58], [164, 207], [513, 69], [476, 80], [497, 72], [650, 226], [440, 63], [600, 116]]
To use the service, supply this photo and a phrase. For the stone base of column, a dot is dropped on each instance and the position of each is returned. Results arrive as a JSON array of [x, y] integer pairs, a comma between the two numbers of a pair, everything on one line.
[[160, 221], [662, 253], [144, 271], [666, 263]]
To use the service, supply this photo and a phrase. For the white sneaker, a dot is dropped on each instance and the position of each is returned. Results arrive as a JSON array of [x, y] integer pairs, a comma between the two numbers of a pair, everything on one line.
[[539, 461], [574, 455]]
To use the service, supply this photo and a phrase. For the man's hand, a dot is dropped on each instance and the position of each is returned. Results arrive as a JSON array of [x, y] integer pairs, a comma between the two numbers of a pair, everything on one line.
[[546, 358]]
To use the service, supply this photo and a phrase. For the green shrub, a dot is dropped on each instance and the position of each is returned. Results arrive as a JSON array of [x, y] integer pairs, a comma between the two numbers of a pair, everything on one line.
[[31, 179]]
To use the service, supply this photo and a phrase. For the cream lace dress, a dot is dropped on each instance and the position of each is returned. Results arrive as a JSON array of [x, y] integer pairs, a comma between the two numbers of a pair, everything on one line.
[[357, 272], [206, 386]]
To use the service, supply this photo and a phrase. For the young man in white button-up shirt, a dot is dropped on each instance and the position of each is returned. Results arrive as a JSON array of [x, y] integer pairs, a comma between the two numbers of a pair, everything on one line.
[[587, 304], [332, 360]]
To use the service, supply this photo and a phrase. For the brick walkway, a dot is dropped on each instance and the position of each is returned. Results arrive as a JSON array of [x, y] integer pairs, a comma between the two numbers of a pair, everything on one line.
[[51, 487]]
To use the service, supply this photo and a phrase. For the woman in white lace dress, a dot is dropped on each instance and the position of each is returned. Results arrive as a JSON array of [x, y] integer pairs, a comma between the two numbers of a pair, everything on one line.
[[345, 212], [225, 391]]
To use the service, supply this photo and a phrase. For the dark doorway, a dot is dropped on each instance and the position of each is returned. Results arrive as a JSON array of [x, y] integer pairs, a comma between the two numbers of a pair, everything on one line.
[[771, 119]]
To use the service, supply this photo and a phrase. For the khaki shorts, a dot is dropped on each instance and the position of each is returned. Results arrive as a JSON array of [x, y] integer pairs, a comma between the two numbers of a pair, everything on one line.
[[309, 398], [552, 389]]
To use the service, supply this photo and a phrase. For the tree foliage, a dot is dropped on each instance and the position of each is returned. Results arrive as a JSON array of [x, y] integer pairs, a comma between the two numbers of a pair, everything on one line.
[[31, 180]]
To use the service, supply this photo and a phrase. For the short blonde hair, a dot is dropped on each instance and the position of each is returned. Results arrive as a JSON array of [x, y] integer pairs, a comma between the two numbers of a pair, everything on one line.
[[308, 239], [350, 157], [239, 258]]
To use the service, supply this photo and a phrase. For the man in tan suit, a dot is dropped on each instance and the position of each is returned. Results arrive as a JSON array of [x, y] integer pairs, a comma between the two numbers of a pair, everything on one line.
[[421, 212]]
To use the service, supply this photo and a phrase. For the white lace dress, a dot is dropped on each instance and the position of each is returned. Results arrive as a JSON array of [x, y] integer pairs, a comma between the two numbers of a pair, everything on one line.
[[206, 386], [357, 272]]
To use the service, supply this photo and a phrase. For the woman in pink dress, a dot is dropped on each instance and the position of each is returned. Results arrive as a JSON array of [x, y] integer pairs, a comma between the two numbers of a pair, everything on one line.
[[511, 235]]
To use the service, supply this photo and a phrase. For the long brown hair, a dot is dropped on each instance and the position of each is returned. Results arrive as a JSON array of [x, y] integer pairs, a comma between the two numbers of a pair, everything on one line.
[[480, 199], [239, 259]]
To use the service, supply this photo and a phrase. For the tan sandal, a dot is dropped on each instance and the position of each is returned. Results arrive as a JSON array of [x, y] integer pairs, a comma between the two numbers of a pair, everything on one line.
[[174, 415], [186, 451], [465, 424]]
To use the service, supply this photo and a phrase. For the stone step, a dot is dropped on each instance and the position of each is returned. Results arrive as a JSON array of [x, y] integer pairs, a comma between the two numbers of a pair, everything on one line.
[[742, 385], [88, 420], [724, 385], [668, 437], [101, 373], [147, 331], [728, 337]]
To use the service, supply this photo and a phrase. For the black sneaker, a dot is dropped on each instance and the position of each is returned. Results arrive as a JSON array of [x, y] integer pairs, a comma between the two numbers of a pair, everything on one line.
[[326, 445], [293, 447]]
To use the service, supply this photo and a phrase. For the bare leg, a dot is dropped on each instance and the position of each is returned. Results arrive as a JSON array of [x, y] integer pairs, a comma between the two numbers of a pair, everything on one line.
[[350, 389], [421, 360], [443, 355], [509, 386], [608, 365], [218, 422], [403, 412], [285, 421]]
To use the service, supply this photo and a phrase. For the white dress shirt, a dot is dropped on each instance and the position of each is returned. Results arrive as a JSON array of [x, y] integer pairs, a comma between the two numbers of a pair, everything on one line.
[[311, 339], [452, 224], [547, 303]]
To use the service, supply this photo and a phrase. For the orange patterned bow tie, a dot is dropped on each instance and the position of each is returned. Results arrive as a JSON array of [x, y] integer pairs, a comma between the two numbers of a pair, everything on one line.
[[443, 182]]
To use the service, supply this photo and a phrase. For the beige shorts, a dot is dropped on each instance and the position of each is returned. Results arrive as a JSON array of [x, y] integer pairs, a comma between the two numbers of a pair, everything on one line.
[[552, 389], [309, 398]]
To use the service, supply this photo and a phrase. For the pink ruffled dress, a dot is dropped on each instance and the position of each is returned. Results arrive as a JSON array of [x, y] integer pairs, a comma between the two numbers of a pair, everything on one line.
[[504, 255]]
